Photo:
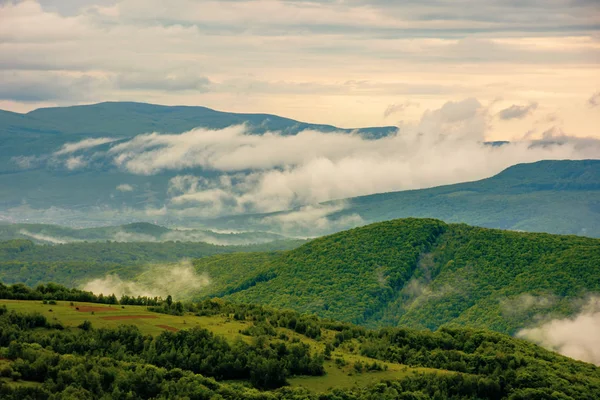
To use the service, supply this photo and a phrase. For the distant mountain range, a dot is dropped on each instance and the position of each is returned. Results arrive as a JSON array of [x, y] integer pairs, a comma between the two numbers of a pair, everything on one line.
[[45, 190], [135, 232], [41, 186], [560, 197]]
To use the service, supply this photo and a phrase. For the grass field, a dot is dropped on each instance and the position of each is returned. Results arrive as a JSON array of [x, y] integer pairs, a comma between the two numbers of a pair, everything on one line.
[[104, 316]]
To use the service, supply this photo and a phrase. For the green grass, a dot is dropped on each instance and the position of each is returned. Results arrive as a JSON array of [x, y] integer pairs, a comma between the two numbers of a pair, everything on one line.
[[67, 315], [345, 377], [338, 376]]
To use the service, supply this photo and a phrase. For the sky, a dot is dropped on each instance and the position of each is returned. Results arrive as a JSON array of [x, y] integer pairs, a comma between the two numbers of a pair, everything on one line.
[[532, 65]]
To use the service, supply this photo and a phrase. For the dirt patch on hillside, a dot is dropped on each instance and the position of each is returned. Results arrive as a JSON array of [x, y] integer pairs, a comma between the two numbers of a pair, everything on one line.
[[94, 309], [168, 328], [122, 317]]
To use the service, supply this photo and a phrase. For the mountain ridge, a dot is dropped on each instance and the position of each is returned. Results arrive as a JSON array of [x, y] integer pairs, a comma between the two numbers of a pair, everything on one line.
[[421, 273], [528, 196], [175, 119], [41, 179]]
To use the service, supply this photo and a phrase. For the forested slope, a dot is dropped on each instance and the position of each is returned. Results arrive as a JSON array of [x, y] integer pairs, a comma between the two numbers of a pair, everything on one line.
[[421, 273], [74, 263], [234, 351]]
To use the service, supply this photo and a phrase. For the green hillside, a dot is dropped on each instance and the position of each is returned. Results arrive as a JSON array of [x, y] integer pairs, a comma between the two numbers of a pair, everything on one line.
[[561, 197], [216, 350], [74, 263], [421, 273]]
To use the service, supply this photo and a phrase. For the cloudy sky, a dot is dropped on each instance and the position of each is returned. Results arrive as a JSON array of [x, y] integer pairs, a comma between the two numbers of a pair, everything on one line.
[[534, 65]]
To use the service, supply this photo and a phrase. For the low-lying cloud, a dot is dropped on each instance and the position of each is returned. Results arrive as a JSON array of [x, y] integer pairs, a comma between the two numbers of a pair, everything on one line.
[[313, 218], [43, 238], [178, 280], [124, 187], [73, 147], [576, 337], [525, 304]]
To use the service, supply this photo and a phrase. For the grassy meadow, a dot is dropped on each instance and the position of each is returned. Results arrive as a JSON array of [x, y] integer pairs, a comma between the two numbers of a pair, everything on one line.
[[340, 371]]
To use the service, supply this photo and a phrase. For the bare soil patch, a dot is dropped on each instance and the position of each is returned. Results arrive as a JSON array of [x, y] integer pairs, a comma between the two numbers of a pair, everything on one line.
[[122, 317], [168, 328]]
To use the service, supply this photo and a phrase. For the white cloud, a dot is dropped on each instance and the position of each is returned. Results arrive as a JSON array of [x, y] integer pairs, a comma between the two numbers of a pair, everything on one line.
[[271, 172], [26, 162], [315, 218], [575, 337], [124, 187], [73, 147], [179, 280], [295, 58], [73, 163], [43, 238]]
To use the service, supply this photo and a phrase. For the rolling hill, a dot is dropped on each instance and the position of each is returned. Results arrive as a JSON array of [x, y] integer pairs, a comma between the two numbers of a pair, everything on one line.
[[134, 232], [561, 197], [420, 273], [76, 263], [219, 350]]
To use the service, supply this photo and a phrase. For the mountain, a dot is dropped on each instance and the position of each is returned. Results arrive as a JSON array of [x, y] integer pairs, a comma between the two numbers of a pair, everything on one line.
[[52, 187], [561, 197], [45, 129], [125, 119], [83, 184], [421, 273], [134, 232]]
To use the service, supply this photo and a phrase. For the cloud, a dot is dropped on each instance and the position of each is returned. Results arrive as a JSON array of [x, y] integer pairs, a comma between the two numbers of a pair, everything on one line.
[[525, 304], [229, 55], [170, 81], [229, 171], [73, 147], [124, 187], [314, 218], [594, 100], [38, 86], [73, 163], [398, 108], [27, 162], [180, 281], [575, 337], [517, 112], [43, 238]]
